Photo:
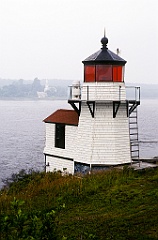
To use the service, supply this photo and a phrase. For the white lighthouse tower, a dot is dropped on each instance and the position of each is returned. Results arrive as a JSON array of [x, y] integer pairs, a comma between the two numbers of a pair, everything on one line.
[[103, 137], [101, 130]]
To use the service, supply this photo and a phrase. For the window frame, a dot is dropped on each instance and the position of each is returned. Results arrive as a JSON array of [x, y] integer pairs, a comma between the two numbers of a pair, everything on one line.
[[60, 135], [116, 75], [108, 69], [85, 76], [117, 79]]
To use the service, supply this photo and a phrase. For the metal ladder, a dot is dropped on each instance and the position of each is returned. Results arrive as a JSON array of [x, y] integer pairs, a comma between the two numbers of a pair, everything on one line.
[[133, 130]]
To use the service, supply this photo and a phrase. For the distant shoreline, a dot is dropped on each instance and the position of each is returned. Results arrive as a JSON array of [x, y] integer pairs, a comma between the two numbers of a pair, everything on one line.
[[30, 99], [59, 98]]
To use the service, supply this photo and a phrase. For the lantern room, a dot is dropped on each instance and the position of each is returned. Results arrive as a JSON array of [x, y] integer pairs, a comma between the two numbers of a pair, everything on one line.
[[104, 66]]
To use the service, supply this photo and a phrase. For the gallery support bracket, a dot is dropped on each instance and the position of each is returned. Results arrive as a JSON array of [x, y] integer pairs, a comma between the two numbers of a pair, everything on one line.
[[131, 106], [116, 105], [74, 103], [91, 106]]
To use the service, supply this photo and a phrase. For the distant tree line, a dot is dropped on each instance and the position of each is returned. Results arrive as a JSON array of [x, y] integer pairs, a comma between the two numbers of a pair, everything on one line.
[[23, 89]]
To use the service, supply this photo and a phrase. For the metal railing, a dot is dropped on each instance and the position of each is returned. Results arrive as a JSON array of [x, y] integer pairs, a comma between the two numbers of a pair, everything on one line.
[[91, 93], [133, 93]]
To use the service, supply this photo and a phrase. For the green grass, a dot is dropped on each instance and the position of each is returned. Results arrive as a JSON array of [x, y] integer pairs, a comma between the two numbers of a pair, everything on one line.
[[115, 204]]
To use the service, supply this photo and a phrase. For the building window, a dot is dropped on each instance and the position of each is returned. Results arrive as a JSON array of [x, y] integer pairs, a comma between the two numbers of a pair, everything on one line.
[[89, 72], [60, 135], [104, 73], [117, 73]]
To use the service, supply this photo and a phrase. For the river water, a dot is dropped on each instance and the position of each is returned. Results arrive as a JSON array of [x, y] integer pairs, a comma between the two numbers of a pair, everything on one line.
[[22, 132]]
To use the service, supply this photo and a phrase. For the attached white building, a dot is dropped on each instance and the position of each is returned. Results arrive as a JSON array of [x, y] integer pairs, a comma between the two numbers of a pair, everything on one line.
[[61, 133], [102, 130]]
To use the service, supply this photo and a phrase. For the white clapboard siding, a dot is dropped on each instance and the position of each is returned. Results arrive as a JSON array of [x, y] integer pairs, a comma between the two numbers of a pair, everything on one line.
[[70, 145], [103, 139], [115, 137], [59, 164], [103, 91]]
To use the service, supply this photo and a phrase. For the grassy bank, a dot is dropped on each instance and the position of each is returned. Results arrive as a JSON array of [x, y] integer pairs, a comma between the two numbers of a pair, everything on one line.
[[116, 204]]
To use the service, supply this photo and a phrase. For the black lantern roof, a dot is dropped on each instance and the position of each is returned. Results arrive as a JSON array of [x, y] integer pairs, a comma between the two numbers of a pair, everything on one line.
[[104, 56]]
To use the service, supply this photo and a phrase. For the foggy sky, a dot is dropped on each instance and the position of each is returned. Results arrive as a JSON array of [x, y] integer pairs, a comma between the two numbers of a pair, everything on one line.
[[50, 38]]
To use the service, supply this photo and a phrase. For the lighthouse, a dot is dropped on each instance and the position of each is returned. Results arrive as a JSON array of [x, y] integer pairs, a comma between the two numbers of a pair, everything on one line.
[[101, 130]]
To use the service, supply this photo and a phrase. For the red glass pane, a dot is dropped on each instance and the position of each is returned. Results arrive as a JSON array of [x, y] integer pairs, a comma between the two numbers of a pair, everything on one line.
[[117, 74], [104, 73], [89, 72]]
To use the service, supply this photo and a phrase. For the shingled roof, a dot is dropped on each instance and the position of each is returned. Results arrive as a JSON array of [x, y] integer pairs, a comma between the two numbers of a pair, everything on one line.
[[104, 56], [68, 117]]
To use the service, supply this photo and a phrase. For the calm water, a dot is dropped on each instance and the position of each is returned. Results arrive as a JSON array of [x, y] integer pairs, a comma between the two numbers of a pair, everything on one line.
[[22, 133], [148, 128]]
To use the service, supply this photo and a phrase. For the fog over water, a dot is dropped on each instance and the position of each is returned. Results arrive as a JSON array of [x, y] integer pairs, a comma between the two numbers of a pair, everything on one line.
[[50, 38], [22, 132]]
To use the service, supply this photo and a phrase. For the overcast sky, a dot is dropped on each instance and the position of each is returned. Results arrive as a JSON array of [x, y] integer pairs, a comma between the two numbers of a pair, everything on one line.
[[50, 38]]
